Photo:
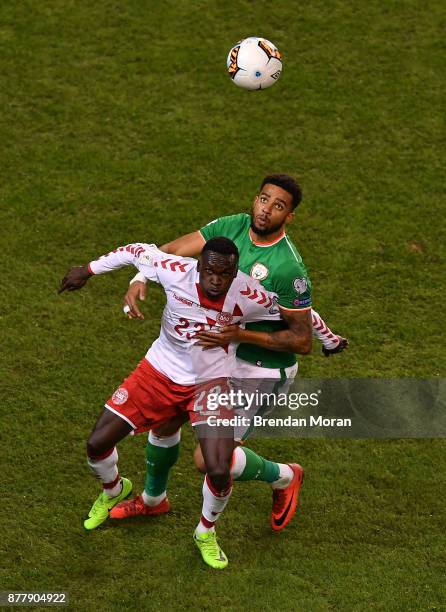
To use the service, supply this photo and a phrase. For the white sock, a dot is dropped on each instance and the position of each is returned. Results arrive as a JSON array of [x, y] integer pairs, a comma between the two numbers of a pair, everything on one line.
[[214, 502], [201, 528], [115, 490], [164, 441], [153, 500], [105, 469], [238, 462], [286, 475]]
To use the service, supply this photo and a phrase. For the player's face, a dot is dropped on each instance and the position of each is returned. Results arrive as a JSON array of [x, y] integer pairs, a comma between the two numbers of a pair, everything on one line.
[[272, 209], [217, 272]]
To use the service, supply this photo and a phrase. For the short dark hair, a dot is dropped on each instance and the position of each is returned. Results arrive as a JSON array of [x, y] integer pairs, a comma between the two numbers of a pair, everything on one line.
[[287, 183], [221, 245]]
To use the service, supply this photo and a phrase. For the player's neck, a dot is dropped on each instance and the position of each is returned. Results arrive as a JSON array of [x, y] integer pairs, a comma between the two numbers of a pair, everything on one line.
[[207, 302], [265, 240]]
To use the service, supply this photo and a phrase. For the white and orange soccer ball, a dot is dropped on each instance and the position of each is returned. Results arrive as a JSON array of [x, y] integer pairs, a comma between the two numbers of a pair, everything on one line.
[[254, 63]]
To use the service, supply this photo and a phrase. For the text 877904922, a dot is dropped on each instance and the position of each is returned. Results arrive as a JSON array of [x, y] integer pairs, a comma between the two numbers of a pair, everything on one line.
[[33, 598]]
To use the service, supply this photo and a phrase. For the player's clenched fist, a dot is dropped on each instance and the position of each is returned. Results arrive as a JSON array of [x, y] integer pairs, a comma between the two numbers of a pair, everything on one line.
[[343, 344], [221, 337], [75, 279], [136, 291]]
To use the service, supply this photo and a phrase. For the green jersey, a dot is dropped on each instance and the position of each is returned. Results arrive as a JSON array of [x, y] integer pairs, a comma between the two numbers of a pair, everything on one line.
[[279, 267]]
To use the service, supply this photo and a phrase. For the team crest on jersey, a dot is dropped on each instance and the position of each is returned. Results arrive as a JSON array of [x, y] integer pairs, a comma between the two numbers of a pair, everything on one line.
[[120, 396], [224, 318], [259, 271], [146, 258], [300, 284]]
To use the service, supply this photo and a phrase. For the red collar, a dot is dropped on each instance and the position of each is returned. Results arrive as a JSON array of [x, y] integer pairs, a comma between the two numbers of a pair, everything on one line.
[[212, 304]]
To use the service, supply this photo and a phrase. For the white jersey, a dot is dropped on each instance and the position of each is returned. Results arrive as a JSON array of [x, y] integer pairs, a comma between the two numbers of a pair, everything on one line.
[[188, 311]]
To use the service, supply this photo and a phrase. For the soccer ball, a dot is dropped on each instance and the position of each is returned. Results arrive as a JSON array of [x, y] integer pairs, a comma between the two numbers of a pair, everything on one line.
[[254, 63]]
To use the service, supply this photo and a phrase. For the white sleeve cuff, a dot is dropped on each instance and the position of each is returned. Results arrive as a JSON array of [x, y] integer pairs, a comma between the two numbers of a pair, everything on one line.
[[138, 278]]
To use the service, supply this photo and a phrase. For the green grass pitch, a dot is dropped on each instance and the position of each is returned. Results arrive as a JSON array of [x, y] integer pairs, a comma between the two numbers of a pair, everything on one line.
[[117, 124]]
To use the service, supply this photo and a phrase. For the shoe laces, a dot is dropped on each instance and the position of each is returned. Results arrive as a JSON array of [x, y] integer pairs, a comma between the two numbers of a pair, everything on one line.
[[210, 544], [133, 505]]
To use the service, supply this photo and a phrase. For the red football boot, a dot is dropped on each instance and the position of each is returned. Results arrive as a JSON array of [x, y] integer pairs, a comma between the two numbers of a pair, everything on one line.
[[137, 507], [284, 500]]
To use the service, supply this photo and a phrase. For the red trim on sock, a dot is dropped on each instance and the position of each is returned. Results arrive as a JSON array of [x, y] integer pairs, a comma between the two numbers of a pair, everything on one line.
[[206, 523], [232, 459], [110, 485], [227, 490], [101, 457], [214, 491]]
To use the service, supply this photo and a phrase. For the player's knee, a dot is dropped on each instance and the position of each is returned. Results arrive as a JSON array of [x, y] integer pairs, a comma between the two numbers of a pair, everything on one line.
[[199, 461], [219, 476], [96, 446]]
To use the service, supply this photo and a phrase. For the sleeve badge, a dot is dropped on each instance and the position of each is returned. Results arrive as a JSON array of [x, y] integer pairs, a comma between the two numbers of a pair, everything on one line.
[[300, 284]]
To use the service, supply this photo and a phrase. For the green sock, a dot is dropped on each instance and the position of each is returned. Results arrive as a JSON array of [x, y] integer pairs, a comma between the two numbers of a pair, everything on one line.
[[258, 468], [159, 461]]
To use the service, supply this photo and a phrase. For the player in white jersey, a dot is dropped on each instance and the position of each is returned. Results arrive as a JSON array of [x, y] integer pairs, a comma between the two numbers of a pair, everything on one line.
[[189, 310], [266, 253], [175, 374]]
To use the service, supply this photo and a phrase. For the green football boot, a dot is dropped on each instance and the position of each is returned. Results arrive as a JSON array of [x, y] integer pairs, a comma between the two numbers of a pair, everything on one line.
[[210, 550], [102, 506]]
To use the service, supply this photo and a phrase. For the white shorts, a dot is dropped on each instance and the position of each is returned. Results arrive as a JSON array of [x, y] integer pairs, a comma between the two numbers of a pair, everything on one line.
[[259, 382]]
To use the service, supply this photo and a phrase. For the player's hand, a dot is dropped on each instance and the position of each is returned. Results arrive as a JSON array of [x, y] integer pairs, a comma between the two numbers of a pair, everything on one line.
[[74, 279], [343, 344], [136, 291], [224, 336]]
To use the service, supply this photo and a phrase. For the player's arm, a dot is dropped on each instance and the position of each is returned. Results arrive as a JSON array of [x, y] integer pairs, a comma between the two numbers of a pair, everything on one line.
[[331, 342], [293, 296], [189, 245], [296, 339], [77, 276]]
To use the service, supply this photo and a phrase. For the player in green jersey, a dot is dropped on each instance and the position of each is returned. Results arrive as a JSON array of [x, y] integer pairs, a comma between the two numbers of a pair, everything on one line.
[[266, 352]]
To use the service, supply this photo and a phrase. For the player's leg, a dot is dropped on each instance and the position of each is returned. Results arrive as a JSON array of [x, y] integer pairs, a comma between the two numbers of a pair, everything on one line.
[[102, 458], [130, 407], [162, 451], [247, 465], [285, 479], [217, 488], [161, 455]]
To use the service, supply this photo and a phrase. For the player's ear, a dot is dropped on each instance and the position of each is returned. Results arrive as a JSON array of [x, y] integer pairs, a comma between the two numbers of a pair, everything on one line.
[[290, 217]]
